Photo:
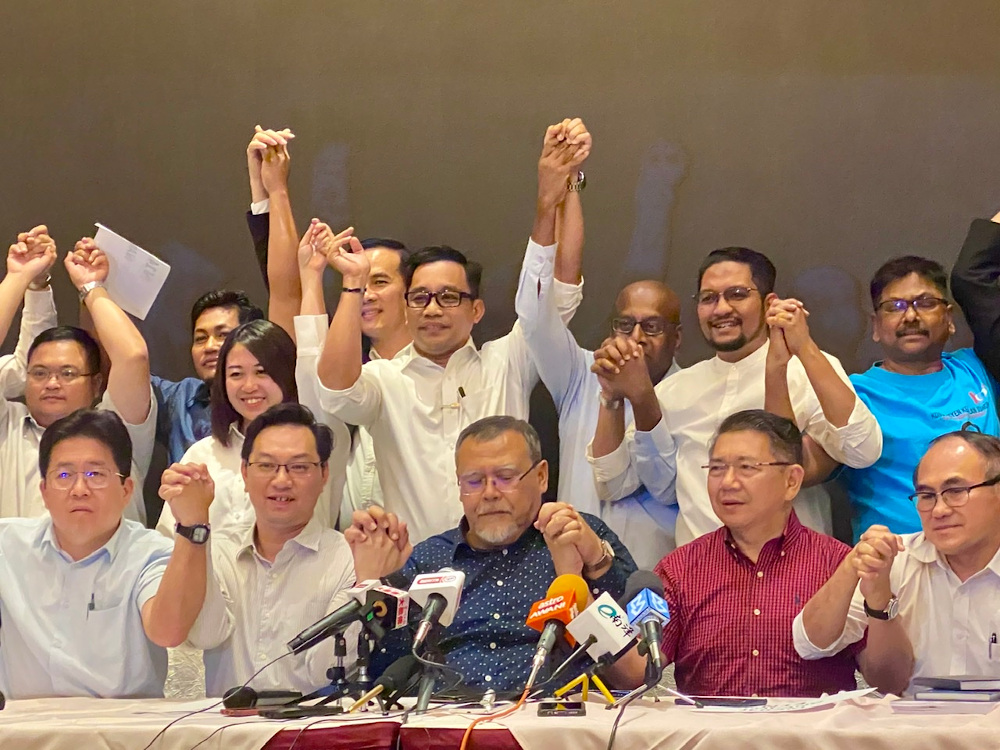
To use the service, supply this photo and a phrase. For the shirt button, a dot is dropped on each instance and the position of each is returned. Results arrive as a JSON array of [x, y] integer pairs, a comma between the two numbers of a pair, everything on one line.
[[782, 553], [488, 678], [754, 695], [756, 611], [493, 645], [496, 615], [760, 573], [499, 583], [505, 552], [755, 652]]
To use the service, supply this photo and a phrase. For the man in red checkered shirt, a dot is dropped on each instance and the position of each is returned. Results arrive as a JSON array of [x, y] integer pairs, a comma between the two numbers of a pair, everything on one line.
[[734, 593]]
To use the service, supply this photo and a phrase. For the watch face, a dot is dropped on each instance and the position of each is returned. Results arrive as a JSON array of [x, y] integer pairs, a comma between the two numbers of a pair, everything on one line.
[[893, 609], [199, 535]]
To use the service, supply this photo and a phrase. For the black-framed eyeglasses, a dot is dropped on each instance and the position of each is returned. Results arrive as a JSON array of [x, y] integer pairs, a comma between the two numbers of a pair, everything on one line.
[[294, 469], [625, 324], [954, 497], [505, 480], [709, 298], [444, 298], [743, 469], [63, 374], [95, 479], [898, 306]]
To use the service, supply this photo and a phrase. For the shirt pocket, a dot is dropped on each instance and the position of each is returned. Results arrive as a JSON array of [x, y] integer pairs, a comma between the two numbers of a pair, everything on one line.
[[107, 642]]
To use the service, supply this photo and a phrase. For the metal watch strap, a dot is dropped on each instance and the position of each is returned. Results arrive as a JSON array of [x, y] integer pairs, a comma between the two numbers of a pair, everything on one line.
[[89, 287]]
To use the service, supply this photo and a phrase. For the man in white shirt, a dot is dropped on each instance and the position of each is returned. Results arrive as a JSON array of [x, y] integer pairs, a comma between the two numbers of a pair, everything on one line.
[[63, 370], [278, 575], [929, 601], [416, 404], [667, 450], [647, 312], [90, 601]]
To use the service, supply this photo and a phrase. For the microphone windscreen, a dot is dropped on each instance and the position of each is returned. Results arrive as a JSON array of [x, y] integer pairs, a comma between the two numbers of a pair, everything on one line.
[[569, 583], [641, 579]]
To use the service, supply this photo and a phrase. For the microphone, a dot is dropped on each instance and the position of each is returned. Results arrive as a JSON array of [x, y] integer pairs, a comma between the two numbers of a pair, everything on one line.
[[394, 681], [551, 616], [337, 620], [386, 608], [605, 626], [439, 595], [648, 611]]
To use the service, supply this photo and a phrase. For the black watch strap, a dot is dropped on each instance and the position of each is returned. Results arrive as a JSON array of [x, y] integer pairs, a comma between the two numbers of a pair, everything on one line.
[[196, 534]]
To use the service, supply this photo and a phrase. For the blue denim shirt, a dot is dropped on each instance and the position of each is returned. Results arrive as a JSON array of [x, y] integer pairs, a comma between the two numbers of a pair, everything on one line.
[[184, 416]]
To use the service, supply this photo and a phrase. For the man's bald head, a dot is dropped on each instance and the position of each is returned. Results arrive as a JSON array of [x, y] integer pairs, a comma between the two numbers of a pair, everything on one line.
[[656, 305]]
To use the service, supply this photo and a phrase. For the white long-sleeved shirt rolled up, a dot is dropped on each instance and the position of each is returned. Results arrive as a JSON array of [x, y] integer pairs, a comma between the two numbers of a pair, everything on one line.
[[694, 402]]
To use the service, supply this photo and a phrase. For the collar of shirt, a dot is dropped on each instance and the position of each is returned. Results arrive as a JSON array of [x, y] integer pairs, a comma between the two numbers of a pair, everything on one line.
[[456, 537], [773, 549], [924, 551], [47, 538], [408, 356], [308, 538], [32, 425], [747, 363], [201, 396]]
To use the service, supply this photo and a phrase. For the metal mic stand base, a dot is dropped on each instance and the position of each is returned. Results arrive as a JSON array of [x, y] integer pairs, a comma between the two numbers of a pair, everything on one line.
[[653, 677]]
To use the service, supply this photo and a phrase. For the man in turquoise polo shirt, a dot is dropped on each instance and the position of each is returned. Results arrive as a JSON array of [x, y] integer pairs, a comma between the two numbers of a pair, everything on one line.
[[917, 393]]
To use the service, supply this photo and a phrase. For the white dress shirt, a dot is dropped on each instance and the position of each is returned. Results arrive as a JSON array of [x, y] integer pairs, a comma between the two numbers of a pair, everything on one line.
[[950, 623], [231, 506], [255, 607], [414, 410], [75, 628], [694, 402], [644, 523]]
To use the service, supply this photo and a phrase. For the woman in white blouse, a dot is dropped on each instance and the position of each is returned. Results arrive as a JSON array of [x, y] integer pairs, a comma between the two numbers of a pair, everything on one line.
[[256, 370]]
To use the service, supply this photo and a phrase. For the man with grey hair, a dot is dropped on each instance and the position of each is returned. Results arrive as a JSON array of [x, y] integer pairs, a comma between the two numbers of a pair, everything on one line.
[[509, 545], [929, 601]]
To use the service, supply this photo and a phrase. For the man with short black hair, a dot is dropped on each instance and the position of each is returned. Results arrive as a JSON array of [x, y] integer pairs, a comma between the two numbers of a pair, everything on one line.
[[184, 415], [765, 358], [917, 392], [91, 600], [416, 404], [63, 373], [927, 603], [733, 593], [508, 543], [279, 573]]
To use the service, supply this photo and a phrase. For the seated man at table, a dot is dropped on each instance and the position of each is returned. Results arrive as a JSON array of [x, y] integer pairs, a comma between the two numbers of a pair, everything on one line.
[[277, 574], [509, 545], [734, 592], [930, 601], [89, 600]]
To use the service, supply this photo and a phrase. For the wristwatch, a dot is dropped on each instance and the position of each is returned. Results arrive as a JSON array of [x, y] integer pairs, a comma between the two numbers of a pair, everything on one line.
[[890, 611], [579, 184], [196, 534], [39, 285], [609, 554], [88, 288], [608, 403]]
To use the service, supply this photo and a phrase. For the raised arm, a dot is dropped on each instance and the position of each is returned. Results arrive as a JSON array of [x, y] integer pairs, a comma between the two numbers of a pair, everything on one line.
[[339, 365], [128, 378], [974, 282], [168, 616], [285, 297], [258, 217], [28, 262]]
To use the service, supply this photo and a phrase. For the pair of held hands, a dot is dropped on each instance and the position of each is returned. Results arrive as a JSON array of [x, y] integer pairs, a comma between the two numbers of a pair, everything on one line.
[[34, 253], [871, 561], [620, 363], [380, 541], [189, 490]]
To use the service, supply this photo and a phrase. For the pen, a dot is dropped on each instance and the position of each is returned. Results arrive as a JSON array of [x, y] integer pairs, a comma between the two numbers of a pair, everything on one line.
[[461, 392], [91, 607], [993, 642]]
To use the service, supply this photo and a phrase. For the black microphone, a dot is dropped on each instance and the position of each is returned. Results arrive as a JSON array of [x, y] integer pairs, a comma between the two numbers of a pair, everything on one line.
[[335, 621]]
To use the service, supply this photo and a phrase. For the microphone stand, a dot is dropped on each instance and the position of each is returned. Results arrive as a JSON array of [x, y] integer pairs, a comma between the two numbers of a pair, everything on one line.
[[653, 677], [428, 674], [339, 686]]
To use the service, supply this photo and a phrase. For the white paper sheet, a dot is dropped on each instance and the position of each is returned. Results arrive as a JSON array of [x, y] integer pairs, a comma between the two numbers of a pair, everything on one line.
[[135, 276]]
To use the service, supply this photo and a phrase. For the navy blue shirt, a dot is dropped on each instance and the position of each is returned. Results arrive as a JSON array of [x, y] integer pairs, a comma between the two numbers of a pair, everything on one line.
[[184, 416], [488, 641]]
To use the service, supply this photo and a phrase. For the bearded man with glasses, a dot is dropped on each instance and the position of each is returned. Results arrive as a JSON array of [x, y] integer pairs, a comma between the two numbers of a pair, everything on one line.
[[509, 544], [929, 602], [765, 358], [917, 392]]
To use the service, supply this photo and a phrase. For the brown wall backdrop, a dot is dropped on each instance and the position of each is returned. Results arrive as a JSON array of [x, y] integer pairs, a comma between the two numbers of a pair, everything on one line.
[[828, 135]]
